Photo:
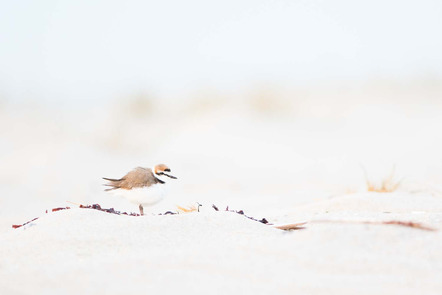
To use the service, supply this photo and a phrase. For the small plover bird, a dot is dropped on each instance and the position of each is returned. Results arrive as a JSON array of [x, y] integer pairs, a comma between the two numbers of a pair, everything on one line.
[[142, 186]]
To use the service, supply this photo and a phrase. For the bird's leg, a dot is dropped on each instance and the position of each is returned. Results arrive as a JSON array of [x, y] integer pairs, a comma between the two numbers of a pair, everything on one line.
[[141, 210]]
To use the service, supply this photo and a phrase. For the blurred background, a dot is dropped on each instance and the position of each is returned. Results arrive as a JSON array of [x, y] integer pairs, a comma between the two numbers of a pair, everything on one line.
[[261, 105]]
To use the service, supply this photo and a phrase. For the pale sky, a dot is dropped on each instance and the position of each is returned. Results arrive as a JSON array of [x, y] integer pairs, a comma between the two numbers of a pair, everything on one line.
[[95, 50]]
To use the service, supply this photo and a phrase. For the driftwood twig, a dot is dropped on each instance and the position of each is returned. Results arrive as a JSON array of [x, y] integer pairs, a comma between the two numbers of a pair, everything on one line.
[[411, 224]]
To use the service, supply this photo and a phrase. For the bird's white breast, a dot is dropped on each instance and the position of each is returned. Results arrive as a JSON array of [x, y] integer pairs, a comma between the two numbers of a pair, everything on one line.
[[146, 196]]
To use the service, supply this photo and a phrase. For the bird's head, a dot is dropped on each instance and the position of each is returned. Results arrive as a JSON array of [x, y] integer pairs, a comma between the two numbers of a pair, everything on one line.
[[162, 170]]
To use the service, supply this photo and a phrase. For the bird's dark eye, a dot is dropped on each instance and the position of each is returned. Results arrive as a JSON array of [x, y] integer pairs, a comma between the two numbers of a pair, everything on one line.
[[167, 170]]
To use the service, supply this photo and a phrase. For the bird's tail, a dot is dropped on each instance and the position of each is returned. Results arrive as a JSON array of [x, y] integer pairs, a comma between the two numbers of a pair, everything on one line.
[[113, 183], [113, 180]]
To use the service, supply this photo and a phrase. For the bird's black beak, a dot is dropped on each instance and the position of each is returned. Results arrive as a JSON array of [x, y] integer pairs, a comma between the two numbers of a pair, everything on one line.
[[171, 176]]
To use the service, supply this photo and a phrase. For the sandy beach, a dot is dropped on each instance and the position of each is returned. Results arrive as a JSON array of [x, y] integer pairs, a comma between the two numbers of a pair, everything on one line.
[[91, 252], [313, 176], [312, 126]]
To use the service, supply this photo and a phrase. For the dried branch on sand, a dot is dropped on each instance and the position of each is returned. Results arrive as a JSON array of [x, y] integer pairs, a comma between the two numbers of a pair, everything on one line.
[[388, 222]]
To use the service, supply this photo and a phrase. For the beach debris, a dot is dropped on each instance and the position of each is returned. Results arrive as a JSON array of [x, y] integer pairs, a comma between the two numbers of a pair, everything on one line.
[[94, 206], [110, 210], [168, 213], [20, 225], [189, 209], [411, 224], [241, 212], [53, 210], [60, 208], [292, 226], [286, 227], [388, 184]]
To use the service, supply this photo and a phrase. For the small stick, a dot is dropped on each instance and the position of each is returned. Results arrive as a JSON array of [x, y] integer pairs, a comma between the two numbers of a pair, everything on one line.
[[26, 223], [292, 226], [390, 222]]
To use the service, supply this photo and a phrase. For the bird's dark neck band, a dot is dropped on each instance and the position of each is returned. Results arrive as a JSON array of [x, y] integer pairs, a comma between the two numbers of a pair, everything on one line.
[[159, 180]]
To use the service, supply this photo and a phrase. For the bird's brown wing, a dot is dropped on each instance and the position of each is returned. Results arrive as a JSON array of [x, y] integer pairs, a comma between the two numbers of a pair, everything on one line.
[[138, 177]]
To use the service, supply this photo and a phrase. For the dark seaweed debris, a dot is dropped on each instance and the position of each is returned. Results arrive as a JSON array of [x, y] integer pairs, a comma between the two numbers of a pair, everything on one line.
[[20, 225], [110, 210], [113, 211], [241, 212], [168, 213], [53, 210], [94, 206]]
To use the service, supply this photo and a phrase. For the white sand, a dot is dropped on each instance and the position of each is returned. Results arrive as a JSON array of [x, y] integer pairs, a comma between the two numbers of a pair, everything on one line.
[[87, 251]]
